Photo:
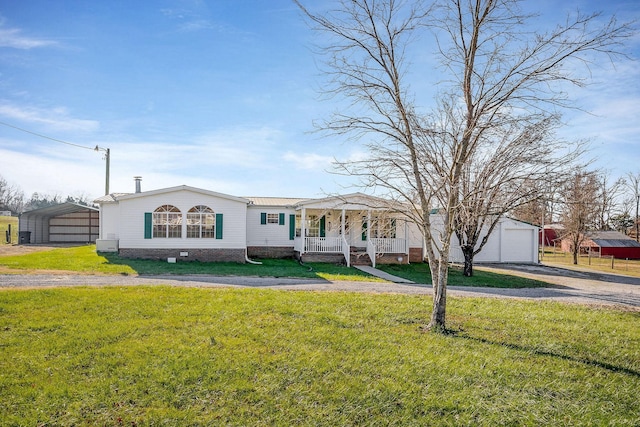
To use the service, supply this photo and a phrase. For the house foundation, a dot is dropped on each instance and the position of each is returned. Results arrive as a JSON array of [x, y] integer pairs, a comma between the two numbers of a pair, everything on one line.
[[202, 255]]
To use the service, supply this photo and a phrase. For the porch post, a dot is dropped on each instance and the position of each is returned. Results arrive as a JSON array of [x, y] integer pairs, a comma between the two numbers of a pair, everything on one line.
[[303, 233], [342, 224], [406, 237], [368, 225]]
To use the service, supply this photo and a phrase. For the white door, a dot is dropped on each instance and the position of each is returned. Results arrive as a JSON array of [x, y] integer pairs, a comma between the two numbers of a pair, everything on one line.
[[517, 245]]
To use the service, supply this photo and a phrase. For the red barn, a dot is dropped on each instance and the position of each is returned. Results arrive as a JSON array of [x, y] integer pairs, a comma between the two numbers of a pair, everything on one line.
[[611, 243]]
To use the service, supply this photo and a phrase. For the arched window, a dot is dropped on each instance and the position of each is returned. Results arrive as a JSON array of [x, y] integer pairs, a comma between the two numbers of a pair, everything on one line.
[[201, 222], [167, 222]]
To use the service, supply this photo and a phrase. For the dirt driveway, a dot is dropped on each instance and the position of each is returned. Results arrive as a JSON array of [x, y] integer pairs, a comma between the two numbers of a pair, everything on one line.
[[574, 286], [7, 250], [566, 285]]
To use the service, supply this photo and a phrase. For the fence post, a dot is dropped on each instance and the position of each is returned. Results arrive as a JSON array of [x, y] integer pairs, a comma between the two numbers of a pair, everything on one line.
[[612, 258]]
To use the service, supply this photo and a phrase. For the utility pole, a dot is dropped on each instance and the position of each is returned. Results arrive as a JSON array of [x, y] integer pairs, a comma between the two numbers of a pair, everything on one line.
[[108, 160]]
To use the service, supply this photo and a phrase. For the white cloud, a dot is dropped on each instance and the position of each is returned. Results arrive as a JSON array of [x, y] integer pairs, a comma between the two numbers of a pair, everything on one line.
[[57, 118], [12, 37], [308, 161]]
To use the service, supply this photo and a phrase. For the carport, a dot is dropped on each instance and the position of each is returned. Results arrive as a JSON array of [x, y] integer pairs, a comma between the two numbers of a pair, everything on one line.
[[62, 223]]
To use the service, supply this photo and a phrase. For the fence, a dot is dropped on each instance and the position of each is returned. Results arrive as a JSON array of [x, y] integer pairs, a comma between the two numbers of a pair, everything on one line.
[[600, 263], [6, 223]]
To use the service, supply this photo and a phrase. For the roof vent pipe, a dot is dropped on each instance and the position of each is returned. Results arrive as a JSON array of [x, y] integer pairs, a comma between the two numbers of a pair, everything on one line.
[[138, 179]]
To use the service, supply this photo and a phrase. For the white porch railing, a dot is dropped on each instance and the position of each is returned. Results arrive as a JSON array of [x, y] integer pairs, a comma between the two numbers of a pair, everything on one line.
[[390, 246], [323, 244], [375, 246], [346, 251], [371, 251]]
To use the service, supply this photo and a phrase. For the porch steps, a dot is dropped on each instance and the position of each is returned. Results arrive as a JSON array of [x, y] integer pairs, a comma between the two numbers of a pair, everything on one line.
[[359, 257], [381, 274]]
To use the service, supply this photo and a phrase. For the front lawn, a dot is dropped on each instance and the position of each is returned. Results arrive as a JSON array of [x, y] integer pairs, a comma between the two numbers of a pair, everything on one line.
[[142, 356], [84, 259]]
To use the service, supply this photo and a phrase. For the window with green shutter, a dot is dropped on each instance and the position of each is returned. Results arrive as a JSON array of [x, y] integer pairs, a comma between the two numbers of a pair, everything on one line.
[[148, 225], [364, 228], [281, 219], [292, 226], [218, 226], [263, 218]]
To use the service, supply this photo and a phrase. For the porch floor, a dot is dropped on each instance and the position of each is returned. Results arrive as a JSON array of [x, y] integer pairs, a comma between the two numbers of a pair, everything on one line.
[[381, 274]]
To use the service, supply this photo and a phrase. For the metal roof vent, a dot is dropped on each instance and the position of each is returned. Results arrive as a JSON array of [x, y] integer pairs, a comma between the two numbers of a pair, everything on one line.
[[138, 180]]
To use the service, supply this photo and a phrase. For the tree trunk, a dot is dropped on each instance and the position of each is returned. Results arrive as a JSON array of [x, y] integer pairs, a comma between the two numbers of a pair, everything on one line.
[[468, 261], [575, 257], [439, 279]]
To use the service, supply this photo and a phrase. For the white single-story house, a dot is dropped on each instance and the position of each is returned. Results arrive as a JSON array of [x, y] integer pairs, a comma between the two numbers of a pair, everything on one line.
[[187, 223]]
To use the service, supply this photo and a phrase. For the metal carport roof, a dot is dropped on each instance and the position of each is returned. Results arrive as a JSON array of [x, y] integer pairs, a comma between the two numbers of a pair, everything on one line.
[[36, 220]]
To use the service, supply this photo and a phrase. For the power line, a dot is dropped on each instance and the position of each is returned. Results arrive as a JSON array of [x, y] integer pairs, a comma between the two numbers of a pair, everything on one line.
[[96, 148], [48, 137]]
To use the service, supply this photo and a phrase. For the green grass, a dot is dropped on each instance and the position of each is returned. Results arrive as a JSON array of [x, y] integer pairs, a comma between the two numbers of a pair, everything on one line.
[[84, 259], [142, 356], [420, 273], [4, 226]]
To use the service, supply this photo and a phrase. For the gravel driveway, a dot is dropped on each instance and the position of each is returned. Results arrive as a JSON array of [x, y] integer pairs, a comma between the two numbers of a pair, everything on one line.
[[566, 285]]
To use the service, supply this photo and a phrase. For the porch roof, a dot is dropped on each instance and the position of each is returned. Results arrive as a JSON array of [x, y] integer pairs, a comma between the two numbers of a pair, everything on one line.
[[355, 201], [275, 201]]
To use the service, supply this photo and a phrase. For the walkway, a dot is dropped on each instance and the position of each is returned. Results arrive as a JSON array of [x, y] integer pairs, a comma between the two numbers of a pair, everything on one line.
[[381, 274]]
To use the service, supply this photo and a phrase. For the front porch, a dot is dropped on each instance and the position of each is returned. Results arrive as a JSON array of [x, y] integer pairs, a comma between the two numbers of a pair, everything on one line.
[[362, 236]]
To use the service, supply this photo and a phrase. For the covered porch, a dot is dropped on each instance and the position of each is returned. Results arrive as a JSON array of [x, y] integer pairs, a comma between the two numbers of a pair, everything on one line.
[[338, 229]]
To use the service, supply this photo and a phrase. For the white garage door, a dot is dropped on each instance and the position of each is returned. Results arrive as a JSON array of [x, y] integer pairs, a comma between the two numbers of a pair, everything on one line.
[[518, 245]]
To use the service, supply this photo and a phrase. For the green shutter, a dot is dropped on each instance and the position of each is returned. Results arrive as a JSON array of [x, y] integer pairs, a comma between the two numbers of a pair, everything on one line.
[[364, 229], [281, 219], [148, 225], [263, 218], [218, 226], [323, 226], [292, 226]]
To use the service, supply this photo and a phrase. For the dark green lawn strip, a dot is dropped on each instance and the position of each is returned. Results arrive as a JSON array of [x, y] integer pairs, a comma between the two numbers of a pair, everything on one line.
[[141, 356], [84, 259], [420, 273]]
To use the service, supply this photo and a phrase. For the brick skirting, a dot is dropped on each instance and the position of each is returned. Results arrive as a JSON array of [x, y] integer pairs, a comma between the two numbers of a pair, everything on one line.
[[270, 252], [415, 255], [203, 255], [330, 258], [392, 259]]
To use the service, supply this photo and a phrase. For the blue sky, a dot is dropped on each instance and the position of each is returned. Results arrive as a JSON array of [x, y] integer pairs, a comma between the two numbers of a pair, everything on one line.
[[216, 94]]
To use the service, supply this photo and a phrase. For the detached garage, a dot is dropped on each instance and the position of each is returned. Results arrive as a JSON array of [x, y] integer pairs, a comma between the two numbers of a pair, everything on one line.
[[63, 223], [511, 241]]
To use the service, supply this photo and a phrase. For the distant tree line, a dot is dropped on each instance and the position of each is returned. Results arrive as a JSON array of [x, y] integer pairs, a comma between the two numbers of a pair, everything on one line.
[[12, 199]]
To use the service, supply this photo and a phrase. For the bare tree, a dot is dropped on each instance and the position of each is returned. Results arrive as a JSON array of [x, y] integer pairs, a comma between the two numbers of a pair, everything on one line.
[[581, 209], [501, 78], [633, 184], [513, 169], [11, 197], [609, 193]]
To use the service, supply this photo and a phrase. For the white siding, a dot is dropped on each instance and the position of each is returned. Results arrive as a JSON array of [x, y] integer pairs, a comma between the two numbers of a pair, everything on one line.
[[109, 221], [132, 212], [274, 235]]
